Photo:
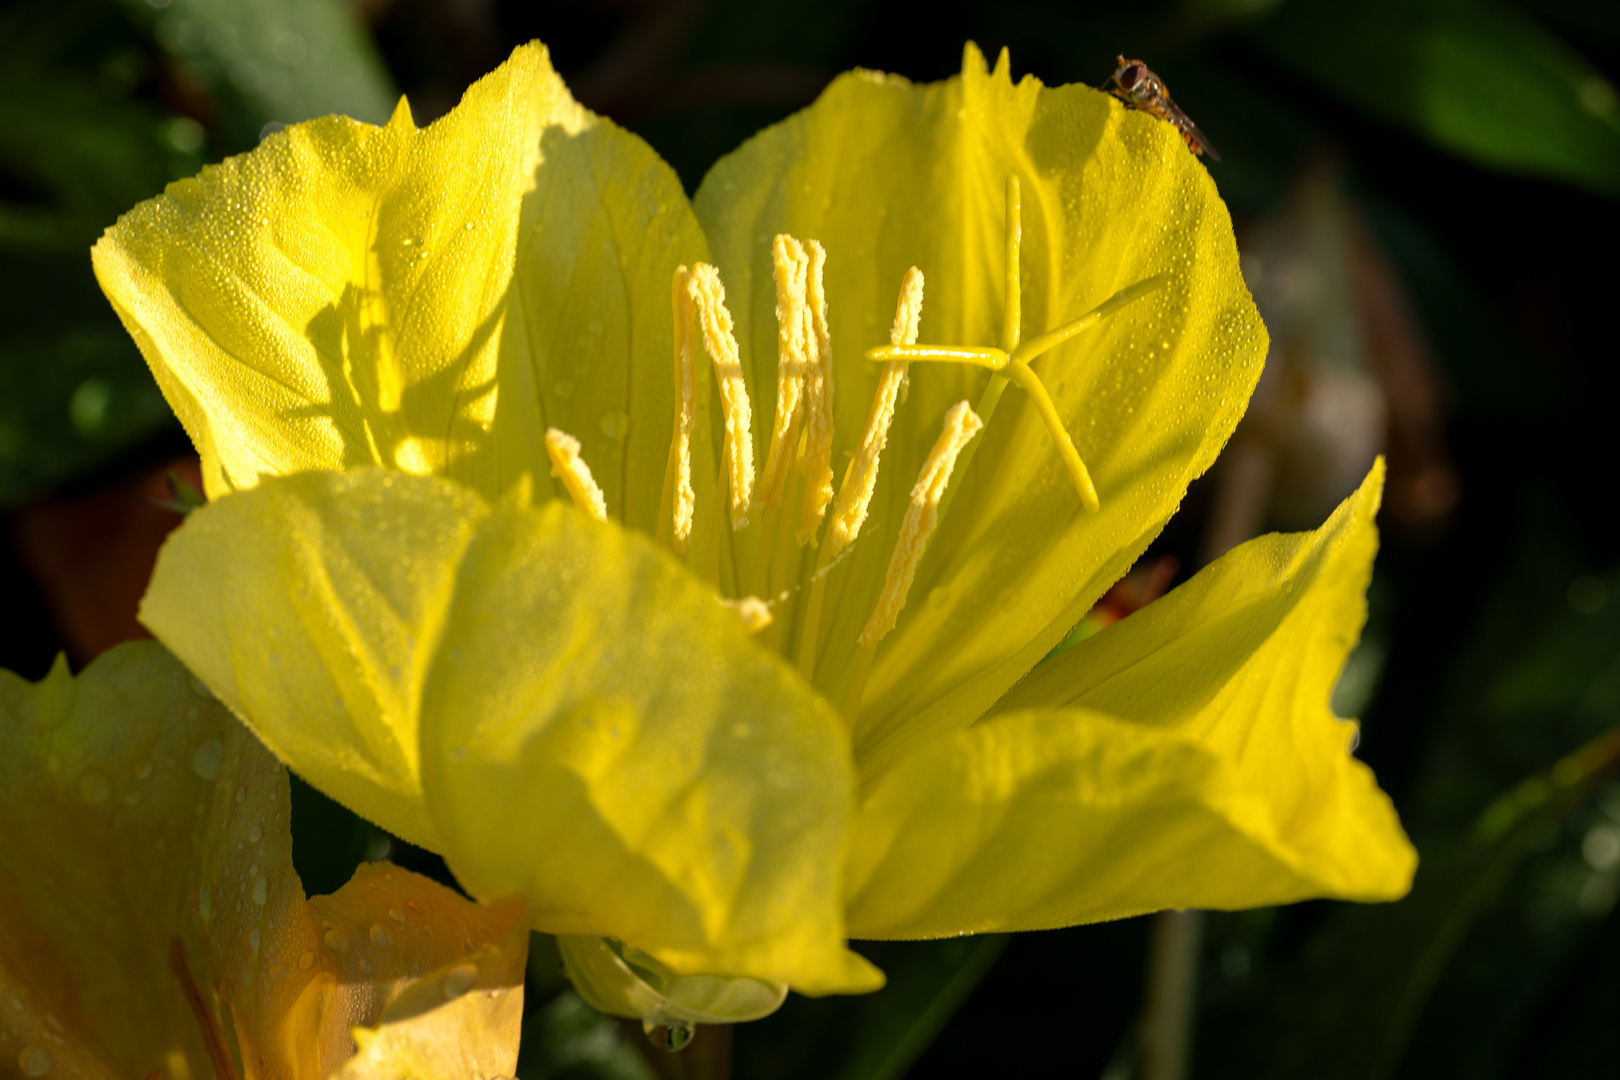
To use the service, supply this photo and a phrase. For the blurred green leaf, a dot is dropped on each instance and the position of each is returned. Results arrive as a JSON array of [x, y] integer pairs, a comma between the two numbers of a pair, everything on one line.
[[272, 61], [875, 1036], [1479, 79], [566, 1039], [1368, 975]]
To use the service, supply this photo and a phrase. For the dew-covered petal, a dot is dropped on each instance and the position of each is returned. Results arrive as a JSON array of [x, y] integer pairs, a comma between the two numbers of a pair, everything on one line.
[[888, 174], [312, 607], [109, 808], [421, 978], [587, 724], [601, 734], [1183, 757], [148, 869], [428, 299]]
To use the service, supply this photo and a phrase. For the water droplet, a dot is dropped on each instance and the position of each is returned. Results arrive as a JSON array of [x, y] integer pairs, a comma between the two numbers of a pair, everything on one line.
[[306, 961], [95, 788], [670, 1036], [278, 972], [615, 424], [396, 914], [255, 832], [458, 980], [205, 903], [261, 890], [337, 941], [206, 759], [380, 936], [34, 1060], [365, 967], [241, 795], [254, 937]]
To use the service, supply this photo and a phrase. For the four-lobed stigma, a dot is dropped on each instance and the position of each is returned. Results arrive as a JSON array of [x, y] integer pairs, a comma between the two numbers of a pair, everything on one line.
[[801, 441]]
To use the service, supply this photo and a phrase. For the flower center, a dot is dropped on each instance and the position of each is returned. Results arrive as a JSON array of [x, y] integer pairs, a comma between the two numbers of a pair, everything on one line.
[[768, 573]]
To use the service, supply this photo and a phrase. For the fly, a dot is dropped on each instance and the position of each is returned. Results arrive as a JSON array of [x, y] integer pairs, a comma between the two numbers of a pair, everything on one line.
[[1135, 84]]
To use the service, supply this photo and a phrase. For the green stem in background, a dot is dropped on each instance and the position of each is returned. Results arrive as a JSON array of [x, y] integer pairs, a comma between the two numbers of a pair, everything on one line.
[[1172, 987]]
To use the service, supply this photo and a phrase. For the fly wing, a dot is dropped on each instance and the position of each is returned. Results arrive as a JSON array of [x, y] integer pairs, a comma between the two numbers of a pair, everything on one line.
[[1183, 123]]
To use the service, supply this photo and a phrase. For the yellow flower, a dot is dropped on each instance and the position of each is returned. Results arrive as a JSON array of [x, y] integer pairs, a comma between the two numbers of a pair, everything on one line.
[[151, 922], [862, 741]]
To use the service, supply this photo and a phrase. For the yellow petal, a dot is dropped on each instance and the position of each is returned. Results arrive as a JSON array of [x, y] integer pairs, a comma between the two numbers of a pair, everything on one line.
[[1185, 756], [150, 916], [553, 703], [431, 300], [426, 984], [887, 174], [287, 606]]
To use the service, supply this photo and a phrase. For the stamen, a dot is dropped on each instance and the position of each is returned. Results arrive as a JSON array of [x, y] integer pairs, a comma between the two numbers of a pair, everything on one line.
[[855, 494], [754, 613], [680, 449], [818, 403], [961, 424], [566, 464], [707, 292], [792, 357]]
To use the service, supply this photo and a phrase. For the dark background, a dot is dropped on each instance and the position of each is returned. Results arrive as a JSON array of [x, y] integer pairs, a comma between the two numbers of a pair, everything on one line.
[[1425, 197]]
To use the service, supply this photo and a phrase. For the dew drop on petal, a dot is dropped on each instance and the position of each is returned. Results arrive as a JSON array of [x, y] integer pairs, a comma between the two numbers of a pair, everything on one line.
[[34, 1060], [306, 961], [337, 941], [95, 788], [380, 936], [615, 424], [255, 832], [458, 980], [254, 937], [261, 891], [206, 759], [205, 903]]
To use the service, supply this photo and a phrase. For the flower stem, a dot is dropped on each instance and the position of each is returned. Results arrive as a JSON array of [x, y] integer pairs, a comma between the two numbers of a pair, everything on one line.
[[1172, 988]]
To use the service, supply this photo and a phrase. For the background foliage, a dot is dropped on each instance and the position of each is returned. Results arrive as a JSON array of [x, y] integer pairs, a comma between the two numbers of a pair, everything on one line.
[[1425, 197]]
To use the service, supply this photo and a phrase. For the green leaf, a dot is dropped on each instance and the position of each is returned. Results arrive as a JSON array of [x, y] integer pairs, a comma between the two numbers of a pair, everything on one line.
[[1478, 79], [569, 1039], [1377, 972], [273, 61], [877, 1036]]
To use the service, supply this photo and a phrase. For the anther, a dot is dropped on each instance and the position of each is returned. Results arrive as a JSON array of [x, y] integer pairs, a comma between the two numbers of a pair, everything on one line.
[[855, 494], [684, 500], [961, 424], [568, 466], [707, 292], [754, 613], [793, 331], [818, 402]]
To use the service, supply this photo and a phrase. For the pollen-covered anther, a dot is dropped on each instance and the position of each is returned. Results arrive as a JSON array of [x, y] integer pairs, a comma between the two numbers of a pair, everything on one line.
[[818, 401], [855, 493], [793, 333], [961, 424], [754, 613], [570, 468], [684, 500], [709, 295]]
